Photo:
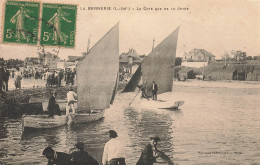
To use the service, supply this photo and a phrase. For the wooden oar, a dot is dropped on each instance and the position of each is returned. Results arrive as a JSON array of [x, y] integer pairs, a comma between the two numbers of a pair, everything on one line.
[[134, 97], [165, 157]]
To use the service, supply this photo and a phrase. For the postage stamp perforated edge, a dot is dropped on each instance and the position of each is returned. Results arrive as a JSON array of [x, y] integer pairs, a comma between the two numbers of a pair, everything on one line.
[[3, 23], [75, 25], [39, 26]]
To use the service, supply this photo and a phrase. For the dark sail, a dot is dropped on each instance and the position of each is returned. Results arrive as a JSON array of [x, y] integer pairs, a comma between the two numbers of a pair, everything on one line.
[[130, 87], [158, 65]]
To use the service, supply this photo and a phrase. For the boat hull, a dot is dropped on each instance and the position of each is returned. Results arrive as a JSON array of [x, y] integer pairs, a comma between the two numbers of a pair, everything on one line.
[[143, 103], [151, 104], [43, 121], [87, 117]]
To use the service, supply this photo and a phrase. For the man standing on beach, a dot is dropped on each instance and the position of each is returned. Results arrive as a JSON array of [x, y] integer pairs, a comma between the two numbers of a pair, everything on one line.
[[1, 78], [6, 75], [154, 91], [113, 151], [60, 77]]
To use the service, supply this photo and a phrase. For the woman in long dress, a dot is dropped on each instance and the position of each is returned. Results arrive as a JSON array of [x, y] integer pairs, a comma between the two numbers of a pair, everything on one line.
[[55, 21], [18, 78], [19, 20]]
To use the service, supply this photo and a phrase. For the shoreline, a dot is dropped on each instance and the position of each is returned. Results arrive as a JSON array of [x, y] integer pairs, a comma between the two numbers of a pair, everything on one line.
[[43, 92], [233, 84]]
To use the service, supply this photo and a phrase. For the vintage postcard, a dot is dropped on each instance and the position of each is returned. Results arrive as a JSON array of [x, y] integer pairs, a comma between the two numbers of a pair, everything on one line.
[[136, 82]]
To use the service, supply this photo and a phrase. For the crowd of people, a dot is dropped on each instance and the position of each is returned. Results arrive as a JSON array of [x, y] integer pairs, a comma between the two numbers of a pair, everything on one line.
[[113, 153], [52, 77], [60, 77]]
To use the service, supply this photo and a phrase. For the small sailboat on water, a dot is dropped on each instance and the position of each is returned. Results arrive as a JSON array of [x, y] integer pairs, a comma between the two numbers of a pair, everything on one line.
[[157, 66], [97, 75]]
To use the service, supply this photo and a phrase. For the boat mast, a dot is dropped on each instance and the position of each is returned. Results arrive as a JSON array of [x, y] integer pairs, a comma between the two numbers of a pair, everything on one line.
[[88, 43], [153, 42]]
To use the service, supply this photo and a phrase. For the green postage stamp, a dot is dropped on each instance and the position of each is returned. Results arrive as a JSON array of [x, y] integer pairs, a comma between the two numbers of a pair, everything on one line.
[[58, 25], [21, 22]]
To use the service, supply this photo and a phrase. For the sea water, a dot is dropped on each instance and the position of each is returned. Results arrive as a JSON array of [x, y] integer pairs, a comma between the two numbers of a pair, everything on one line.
[[216, 125]]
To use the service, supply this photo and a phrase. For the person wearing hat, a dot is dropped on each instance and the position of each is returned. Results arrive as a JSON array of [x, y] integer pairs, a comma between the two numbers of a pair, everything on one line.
[[82, 157], [56, 158], [113, 151], [53, 107], [150, 152], [71, 97]]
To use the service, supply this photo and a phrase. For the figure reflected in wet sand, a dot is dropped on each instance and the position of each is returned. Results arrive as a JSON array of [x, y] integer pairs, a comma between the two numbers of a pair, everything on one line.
[[19, 20], [55, 22]]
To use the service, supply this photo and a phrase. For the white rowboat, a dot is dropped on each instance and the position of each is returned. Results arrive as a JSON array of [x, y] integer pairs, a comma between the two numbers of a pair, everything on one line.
[[43, 121], [87, 117]]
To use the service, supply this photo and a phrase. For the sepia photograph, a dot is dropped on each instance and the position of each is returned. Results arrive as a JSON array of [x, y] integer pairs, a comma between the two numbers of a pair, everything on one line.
[[129, 82]]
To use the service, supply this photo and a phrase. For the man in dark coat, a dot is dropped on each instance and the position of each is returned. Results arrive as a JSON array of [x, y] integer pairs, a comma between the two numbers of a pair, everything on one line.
[[53, 107], [154, 90], [142, 88], [6, 75], [60, 77], [81, 157], [1, 78], [149, 153], [56, 158]]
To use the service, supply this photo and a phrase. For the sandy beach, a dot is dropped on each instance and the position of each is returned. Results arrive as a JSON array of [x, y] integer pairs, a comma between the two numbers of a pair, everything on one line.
[[29, 83], [218, 84]]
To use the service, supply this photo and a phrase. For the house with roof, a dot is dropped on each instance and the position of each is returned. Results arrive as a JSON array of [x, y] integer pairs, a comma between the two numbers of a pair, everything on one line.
[[30, 61], [198, 55], [70, 63], [129, 62], [197, 58], [51, 60]]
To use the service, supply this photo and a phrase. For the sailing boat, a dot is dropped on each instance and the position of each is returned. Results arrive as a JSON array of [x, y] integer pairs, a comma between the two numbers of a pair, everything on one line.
[[158, 66], [97, 74]]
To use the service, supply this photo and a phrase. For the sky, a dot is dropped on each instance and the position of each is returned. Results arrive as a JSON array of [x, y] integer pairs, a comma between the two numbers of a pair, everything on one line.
[[216, 26]]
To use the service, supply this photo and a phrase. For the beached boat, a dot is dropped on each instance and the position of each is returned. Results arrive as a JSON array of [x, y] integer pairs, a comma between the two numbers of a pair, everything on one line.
[[157, 66], [43, 121], [97, 78]]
